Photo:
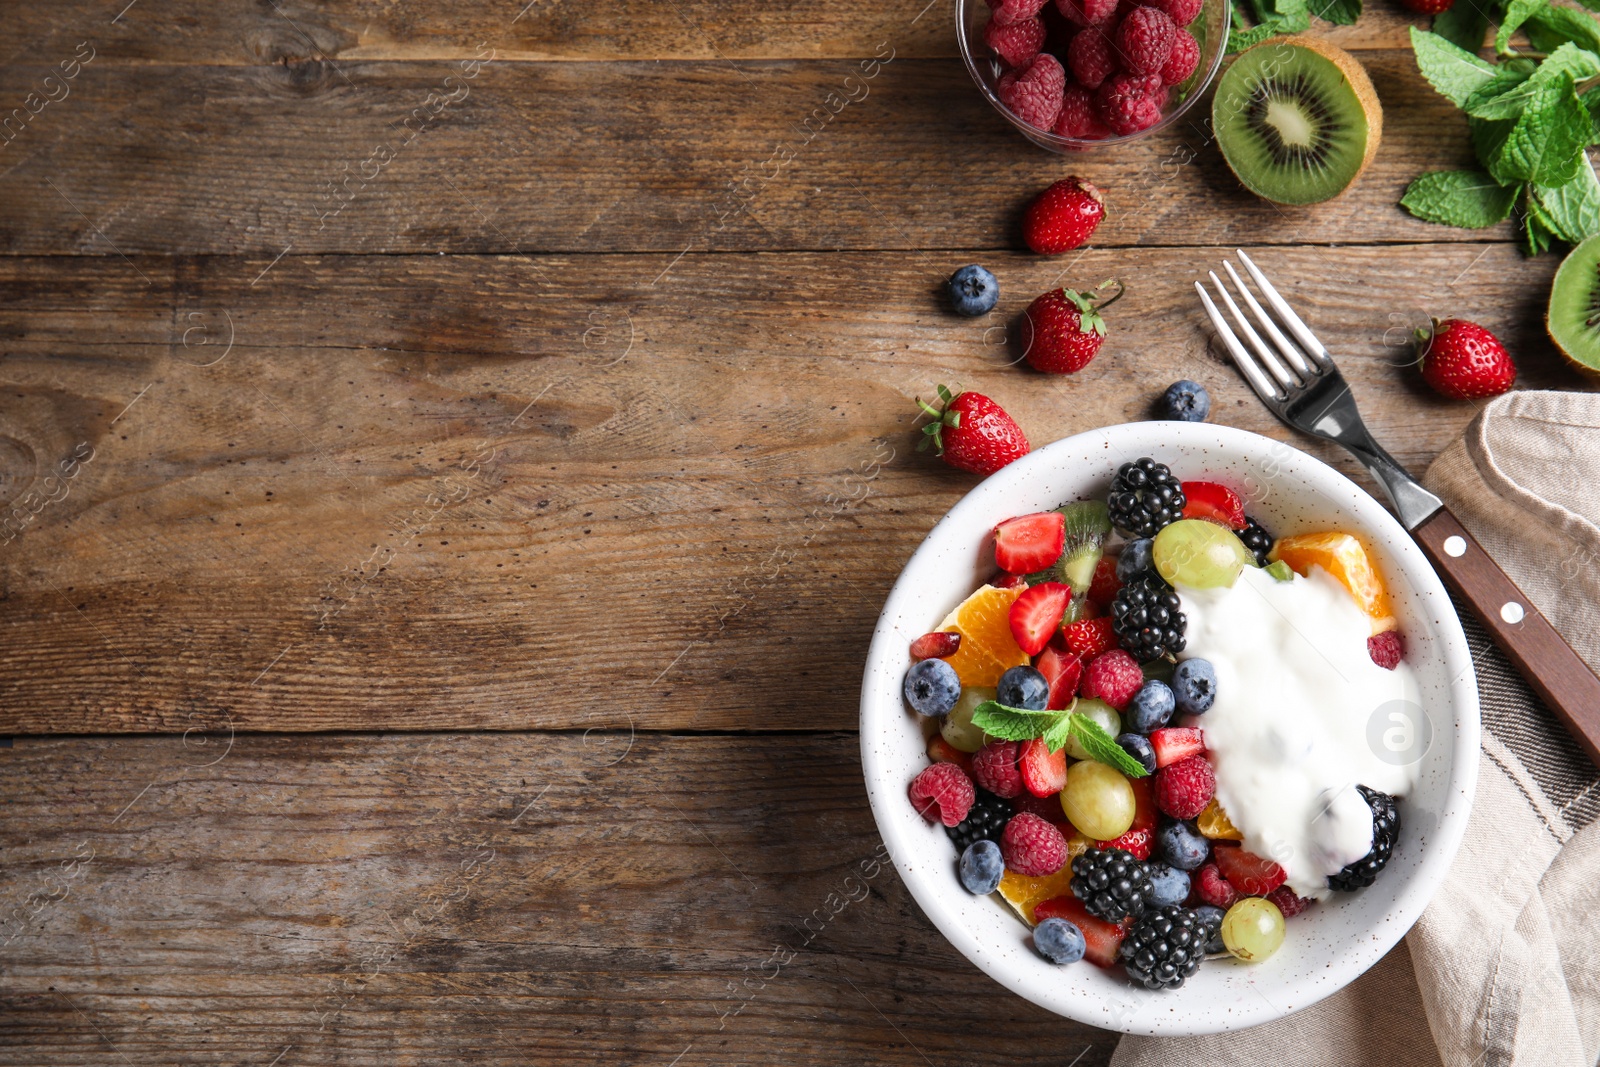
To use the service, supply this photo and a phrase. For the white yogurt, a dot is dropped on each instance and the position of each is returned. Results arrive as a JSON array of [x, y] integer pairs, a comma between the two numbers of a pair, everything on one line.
[[1288, 733]]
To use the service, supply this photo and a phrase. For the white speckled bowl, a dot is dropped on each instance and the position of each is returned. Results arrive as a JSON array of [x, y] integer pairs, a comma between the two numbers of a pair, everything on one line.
[[1332, 942]]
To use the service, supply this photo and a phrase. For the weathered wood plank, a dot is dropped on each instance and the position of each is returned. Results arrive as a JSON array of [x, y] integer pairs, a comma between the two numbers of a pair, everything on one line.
[[592, 157], [514, 899], [672, 487]]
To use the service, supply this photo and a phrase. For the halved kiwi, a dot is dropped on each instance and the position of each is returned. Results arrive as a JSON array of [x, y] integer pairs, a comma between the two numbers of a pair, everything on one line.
[[1087, 527], [1297, 120], [1573, 318]]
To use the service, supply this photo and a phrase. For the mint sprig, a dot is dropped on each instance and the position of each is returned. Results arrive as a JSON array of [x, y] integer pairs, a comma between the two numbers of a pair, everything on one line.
[[1055, 728]]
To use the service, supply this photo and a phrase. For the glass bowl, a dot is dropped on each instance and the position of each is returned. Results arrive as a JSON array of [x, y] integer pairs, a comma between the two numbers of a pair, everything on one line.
[[1210, 30]]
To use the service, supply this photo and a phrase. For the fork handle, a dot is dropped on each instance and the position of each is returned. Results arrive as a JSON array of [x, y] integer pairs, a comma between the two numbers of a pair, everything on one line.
[[1563, 681]]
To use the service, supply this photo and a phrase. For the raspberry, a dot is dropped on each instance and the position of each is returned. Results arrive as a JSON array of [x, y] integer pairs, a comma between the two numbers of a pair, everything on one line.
[[1033, 91], [1144, 40], [1213, 888], [1129, 103], [1387, 649], [994, 766], [1090, 637], [1183, 60], [1032, 846], [1113, 677], [1017, 43], [1183, 789], [1009, 12], [1181, 12], [942, 793], [1089, 56], [1087, 12], [1287, 902], [1077, 118]]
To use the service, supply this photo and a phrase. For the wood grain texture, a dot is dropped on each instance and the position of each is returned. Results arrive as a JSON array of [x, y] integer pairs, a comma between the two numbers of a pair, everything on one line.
[[496, 493], [514, 899], [625, 157]]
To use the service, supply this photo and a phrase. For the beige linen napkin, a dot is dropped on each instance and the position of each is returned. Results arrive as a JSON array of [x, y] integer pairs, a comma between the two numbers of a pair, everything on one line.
[[1504, 966]]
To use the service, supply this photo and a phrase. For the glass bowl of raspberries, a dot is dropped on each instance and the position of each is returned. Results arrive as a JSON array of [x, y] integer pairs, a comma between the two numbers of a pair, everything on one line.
[[1076, 74]]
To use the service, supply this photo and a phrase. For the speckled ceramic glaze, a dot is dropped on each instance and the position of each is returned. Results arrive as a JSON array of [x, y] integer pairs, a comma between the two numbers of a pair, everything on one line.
[[1329, 944]]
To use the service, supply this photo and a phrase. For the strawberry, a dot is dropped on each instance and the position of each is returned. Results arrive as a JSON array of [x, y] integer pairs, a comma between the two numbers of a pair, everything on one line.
[[1063, 329], [1063, 216], [972, 433], [1463, 361], [1103, 938], [1091, 637], [1043, 772], [1105, 583], [1174, 743], [1138, 842], [942, 751], [1063, 670], [935, 645], [1036, 615], [1209, 500], [1248, 873], [1030, 542], [1428, 7], [1145, 811], [1008, 581]]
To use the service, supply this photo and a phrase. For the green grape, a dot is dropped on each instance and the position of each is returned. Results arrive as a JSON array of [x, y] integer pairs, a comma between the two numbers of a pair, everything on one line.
[[1098, 800], [957, 726], [1199, 554], [1103, 714], [1253, 929]]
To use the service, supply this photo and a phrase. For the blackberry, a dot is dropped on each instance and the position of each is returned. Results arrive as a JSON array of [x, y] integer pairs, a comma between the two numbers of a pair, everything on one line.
[[985, 822], [1385, 833], [1111, 883], [1256, 539], [1147, 617], [1164, 947], [1145, 497]]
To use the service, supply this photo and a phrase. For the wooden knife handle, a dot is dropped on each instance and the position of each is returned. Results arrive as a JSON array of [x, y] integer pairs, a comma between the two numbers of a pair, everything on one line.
[[1565, 683]]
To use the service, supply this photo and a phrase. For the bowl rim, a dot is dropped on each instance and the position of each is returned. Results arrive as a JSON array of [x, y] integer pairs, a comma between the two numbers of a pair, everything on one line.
[[1412, 896], [1048, 140]]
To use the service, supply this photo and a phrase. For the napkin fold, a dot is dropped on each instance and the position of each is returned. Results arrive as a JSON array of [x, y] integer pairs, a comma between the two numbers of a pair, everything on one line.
[[1503, 968]]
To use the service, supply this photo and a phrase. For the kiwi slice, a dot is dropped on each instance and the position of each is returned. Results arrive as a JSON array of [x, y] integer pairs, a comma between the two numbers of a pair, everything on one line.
[[1297, 120], [1574, 315], [1088, 526]]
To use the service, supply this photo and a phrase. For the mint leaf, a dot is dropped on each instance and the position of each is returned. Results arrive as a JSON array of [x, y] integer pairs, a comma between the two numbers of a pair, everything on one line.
[[1537, 234], [1466, 198], [1055, 738], [1338, 12], [1102, 746], [1453, 71], [1272, 17], [1517, 12], [1546, 144], [1012, 724], [1548, 27], [1463, 25], [1572, 210], [1507, 94]]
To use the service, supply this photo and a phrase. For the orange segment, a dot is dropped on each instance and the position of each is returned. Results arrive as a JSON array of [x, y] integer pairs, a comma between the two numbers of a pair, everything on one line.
[[1345, 557], [1023, 892], [987, 648], [1215, 824]]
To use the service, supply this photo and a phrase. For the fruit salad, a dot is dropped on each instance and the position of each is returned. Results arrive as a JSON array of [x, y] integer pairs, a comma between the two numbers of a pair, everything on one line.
[[1149, 731]]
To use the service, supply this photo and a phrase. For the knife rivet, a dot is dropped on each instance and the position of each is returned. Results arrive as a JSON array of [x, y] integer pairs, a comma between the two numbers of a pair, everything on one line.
[[1455, 546], [1511, 611]]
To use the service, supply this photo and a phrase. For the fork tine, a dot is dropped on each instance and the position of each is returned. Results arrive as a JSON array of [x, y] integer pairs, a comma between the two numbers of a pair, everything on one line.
[[1301, 331], [1268, 359], [1247, 366], [1289, 351]]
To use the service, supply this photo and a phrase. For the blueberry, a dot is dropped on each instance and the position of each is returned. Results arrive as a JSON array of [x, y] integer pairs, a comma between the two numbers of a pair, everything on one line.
[[1150, 708], [1212, 915], [1186, 401], [1180, 845], [1136, 558], [981, 867], [1059, 941], [932, 687], [973, 290], [1168, 885], [1022, 687], [1138, 746], [1194, 684]]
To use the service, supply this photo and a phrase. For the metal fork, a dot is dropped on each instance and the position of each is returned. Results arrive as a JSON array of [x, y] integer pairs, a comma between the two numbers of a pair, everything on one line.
[[1296, 378]]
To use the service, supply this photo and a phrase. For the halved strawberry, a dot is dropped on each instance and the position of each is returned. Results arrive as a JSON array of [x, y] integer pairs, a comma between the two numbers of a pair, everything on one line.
[[1247, 872], [1174, 743], [1102, 938], [942, 751], [1043, 772], [1090, 637], [1030, 543], [1008, 581], [1036, 615], [939, 644], [1210, 500], [1138, 842], [1145, 812], [1063, 670], [1105, 583]]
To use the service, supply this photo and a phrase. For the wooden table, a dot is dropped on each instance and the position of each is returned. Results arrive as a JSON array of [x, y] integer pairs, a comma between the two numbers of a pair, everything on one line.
[[455, 455]]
